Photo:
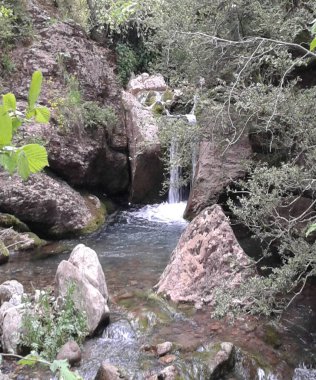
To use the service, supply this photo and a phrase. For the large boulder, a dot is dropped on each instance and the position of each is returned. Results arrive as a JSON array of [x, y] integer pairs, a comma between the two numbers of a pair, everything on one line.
[[143, 142], [49, 205], [11, 293], [84, 270], [207, 256], [95, 157]]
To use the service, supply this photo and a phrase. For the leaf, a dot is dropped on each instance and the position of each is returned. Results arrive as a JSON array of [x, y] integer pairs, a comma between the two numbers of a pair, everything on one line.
[[9, 161], [313, 45], [23, 165], [35, 89], [9, 102], [310, 229], [30, 114], [62, 366], [36, 156], [42, 115], [29, 360], [16, 123], [5, 127], [313, 30]]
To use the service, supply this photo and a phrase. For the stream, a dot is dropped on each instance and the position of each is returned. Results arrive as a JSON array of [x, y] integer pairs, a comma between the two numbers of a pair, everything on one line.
[[134, 247]]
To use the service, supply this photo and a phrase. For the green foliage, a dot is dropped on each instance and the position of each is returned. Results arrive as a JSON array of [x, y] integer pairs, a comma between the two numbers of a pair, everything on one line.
[[15, 22], [46, 326], [126, 62], [73, 114], [30, 158], [57, 367]]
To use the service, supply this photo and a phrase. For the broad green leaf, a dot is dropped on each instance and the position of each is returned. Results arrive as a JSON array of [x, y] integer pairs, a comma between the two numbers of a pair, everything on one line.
[[23, 165], [16, 123], [310, 229], [36, 157], [35, 89], [42, 114], [29, 360], [9, 161], [30, 114], [62, 366], [313, 45], [9, 102], [5, 127]]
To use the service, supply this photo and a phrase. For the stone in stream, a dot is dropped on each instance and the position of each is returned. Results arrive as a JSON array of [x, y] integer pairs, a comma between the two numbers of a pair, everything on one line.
[[10, 315], [71, 352], [108, 372], [84, 271], [163, 348], [207, 256]]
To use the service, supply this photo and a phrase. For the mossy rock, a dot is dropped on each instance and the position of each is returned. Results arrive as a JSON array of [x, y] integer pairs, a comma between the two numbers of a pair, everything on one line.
[[158, 108], [272, 336], [99, 214], [4, 253], [167, 96], [8, 220], [151, 99]]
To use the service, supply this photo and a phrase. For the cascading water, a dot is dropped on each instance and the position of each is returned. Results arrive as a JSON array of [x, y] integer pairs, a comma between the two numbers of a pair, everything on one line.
[[174, 195]]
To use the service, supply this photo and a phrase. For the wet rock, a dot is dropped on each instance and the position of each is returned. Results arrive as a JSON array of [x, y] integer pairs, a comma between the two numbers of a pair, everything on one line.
[[206, 257], [71, 352], [84, 270], [4, 253], [144, 150], [223, 362], [304, 374], [216, 169], [163, 348], [108, 372], [50, 205], [168, 373], [18, 241]]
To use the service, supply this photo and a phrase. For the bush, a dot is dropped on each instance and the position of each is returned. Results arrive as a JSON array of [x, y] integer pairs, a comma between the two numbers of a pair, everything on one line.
[[46, 326]]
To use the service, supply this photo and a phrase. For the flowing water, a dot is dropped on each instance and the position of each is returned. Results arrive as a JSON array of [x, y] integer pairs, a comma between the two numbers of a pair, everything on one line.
[[134, 248]]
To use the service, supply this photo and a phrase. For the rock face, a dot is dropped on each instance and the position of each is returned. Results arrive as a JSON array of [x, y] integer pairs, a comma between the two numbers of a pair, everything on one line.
[[10, 315], [216, 169], [94, 158], [206, 257], [108, 372], [83, 269], [50, 205], [143, 142]]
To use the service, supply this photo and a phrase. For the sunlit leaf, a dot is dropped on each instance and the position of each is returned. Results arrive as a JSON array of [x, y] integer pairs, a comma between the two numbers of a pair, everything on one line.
[[35, 89], [310, 229], [42, 114], [16, 123], [23, 165], [5, 127], [313, 45], [9, 102], [9, 161], [36, 157], [29, 360]]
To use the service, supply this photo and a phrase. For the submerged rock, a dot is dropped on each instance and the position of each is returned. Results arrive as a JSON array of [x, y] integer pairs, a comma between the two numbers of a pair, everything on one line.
[[50, 205], [206, 257], [84, 270]]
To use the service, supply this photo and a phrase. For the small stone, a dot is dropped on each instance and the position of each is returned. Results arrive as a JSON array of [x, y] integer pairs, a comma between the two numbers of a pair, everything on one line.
[[167, 359], [71, 352], [168, 373], [163, 348]]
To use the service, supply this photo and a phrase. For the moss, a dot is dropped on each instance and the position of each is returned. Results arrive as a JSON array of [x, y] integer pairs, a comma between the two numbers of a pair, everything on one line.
[[167, 96], [4, 253], [8, 220], [158, 108], [272, 336], [151, 98], [99, 214], [38, 242]]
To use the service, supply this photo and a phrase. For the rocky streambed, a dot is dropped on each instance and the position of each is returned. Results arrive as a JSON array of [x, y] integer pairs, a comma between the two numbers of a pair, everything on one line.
[[150, 338]]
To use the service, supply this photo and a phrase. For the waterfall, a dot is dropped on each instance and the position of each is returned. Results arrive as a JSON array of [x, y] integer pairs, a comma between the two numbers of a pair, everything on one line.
[[174, 195]]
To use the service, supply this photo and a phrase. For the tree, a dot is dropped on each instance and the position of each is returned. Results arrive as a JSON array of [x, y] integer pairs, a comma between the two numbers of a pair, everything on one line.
[[30, 158]]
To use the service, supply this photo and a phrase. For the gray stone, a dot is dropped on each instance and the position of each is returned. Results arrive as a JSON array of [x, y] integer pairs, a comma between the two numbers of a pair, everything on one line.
[[207, 256], [71, 352], [11, 291], [163, 348], [11, 324], [90, 296], [108, 372], [223, 362], [146, 82]]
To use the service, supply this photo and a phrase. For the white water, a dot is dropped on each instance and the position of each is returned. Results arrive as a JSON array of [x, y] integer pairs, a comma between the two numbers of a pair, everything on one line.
[[162, 213], [174, 195], [262, 375]]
